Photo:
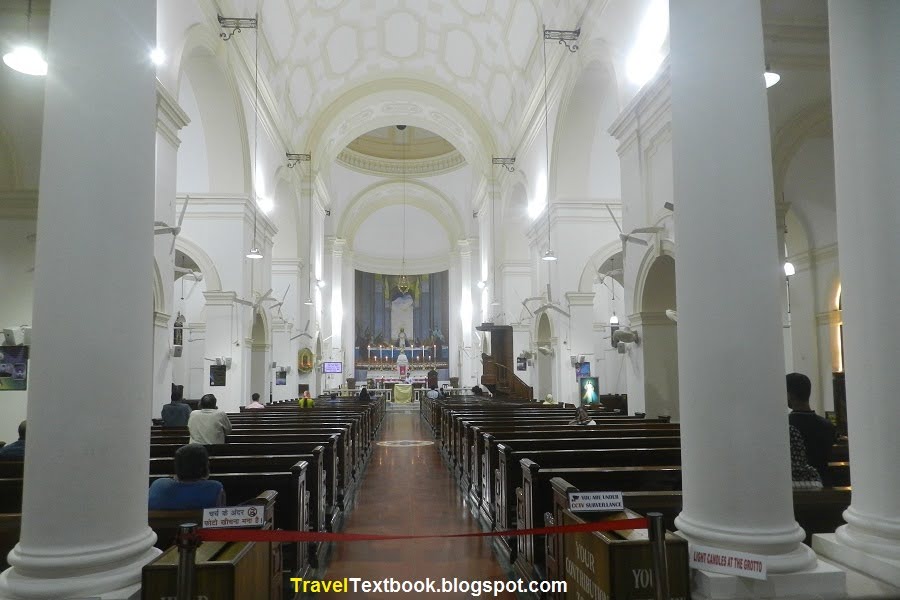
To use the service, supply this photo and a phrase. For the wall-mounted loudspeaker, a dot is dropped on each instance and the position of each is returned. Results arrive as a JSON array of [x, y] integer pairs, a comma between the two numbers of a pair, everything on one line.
[[176, 351]]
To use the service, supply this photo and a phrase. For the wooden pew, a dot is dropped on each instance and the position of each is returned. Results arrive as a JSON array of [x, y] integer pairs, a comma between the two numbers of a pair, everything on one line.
[[817, 511], [509, 468], [484, 452], [535, 497]]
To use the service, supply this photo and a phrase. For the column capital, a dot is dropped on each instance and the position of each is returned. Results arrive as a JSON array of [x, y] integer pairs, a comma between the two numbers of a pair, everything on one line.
[[580, 298], [219, 298], [642, 319], [161, 319], [170, 118]]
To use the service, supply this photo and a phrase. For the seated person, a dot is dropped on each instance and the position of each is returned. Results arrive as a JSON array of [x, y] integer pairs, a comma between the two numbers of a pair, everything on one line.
[[15, 450], [176, 413], [476, 390], [433, 394], [255, 402], [817, 433], [306, 401], [191, 487], [803, 475], [582, 417], [363, 395], [209, 425]]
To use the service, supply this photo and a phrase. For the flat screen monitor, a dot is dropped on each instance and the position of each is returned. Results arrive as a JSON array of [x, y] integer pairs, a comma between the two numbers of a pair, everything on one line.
[[332, 367]]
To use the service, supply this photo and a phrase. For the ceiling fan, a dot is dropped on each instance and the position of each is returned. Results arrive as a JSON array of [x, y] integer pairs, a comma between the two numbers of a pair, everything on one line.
[[304, 333], [630, 236], [258, 303], [161, 227]]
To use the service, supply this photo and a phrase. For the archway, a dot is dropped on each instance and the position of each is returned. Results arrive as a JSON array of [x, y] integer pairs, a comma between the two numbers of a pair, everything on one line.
[[188, 306], [545, 353], [659, 339], [259, 354]]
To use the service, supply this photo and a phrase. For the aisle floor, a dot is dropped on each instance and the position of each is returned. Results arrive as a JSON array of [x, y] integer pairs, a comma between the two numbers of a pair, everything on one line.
[[408, 490]]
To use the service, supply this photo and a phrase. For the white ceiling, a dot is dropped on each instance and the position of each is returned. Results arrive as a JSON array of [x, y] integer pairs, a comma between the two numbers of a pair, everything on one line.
[[484, 52]]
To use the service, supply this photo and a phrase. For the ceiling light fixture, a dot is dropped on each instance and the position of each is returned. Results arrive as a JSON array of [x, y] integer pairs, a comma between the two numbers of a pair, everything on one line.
[[614, 320], [158, 56], [771, 77], [789, 269], [26, 59], [254, 253], [403, 282], [548, 256]]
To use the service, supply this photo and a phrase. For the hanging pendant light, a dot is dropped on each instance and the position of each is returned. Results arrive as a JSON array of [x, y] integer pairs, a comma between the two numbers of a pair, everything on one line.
[[254, 253], [548, 256], [494, 301], [309, 301], [403, 282], [26, 59]]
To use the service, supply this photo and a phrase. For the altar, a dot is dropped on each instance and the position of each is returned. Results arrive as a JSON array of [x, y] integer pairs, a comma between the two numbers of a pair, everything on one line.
[[403, 392]]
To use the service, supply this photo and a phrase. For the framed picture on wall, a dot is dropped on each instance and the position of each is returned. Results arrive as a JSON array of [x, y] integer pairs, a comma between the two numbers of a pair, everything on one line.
[[13, 368], [521, 363], [217, 375], [588, 387], [281, 377]]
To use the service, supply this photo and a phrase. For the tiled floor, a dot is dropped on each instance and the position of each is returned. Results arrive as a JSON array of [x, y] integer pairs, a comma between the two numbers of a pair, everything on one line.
[[408, 490]]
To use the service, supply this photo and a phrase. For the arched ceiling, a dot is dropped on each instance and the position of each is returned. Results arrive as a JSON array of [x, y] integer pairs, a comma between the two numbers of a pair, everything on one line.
[[484, 52]]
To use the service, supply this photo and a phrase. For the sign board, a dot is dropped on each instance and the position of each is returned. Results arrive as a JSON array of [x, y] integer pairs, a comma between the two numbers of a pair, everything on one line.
[[234, 516], [728, 562], [595, 501], [614, 566], [332, 367], [217, 375]]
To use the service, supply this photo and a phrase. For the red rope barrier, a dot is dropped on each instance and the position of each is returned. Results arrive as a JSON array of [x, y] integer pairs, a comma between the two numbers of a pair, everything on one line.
[[268, 535]]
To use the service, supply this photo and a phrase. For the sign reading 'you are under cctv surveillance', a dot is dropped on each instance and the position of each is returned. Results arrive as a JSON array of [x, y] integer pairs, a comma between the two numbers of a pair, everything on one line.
[[595, 501]]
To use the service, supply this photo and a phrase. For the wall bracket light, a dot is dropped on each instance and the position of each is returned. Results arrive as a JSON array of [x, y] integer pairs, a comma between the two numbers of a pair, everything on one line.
[[294, 158], [235, 24], [507, 163], [564, 36]]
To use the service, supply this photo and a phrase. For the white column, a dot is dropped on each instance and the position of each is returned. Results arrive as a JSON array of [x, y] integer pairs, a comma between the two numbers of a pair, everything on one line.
[[336, 311], [466, 313], [163, 339], [223, 330], [736, 478], [170, 118], [349, 308], [454, 343], [865, 82], [581, 341], [84, 514], [659, 356]]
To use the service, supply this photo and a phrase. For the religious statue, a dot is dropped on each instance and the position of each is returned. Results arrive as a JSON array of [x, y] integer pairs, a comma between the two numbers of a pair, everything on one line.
[[401, 339]]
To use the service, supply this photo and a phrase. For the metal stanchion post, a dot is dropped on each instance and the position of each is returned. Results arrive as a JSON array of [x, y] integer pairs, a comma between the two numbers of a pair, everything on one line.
[[187, 542], [658, 548]]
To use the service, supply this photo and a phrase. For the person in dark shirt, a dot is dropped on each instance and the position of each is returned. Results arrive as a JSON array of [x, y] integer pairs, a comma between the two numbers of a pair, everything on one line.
[[190, 488], [818, 434], [176, 413], [15, 450], [363, 395]]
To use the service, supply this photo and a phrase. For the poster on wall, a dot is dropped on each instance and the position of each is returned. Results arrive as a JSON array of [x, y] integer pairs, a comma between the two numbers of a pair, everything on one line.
[[217, 375], [582, 369], [588, 387], [281, 377], [521, 363], [13, 368]]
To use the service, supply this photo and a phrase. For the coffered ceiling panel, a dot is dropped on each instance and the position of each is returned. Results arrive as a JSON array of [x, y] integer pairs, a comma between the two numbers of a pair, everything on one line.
[[482, 52]]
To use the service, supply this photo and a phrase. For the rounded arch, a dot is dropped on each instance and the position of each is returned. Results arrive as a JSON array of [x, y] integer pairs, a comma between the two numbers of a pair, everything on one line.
[[159, 295], [207, 83], [812, 121], [387, 193], [667, 248], [390, 101], [605, 254], [658, 294], [259, 327], [202, 259], [514, 196], [286, 214], [584, 157]]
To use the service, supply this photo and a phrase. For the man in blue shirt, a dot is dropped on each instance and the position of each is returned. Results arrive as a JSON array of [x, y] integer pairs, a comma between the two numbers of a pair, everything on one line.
[[16, 449], [190, 488]]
